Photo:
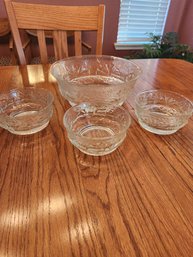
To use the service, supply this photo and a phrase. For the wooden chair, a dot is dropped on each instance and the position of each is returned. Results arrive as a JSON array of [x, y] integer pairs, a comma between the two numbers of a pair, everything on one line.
[[60, 20]]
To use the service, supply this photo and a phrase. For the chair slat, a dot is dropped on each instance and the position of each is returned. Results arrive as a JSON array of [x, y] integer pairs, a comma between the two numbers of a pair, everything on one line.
[[56, 44], [64, 45], [42, 46], [78, 43]]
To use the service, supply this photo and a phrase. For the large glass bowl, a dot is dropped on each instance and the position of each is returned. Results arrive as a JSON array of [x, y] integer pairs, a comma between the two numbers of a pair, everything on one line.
[[162, 112], [96, 131], [25, 111], [104, 81]]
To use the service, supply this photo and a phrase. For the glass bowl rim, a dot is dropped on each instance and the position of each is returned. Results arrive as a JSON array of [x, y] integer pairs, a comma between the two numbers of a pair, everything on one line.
[[33, 89], [189, 113], [124, 129], [110, 57]]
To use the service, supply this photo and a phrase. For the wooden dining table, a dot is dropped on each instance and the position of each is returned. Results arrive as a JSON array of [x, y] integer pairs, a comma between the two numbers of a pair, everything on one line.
[[56, 201]]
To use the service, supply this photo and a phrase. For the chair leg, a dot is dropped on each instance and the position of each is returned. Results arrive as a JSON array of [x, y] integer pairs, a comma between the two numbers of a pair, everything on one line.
[[14, 57]]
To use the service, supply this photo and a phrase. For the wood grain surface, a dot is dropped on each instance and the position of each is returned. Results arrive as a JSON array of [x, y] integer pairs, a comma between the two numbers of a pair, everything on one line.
[[134, 202]]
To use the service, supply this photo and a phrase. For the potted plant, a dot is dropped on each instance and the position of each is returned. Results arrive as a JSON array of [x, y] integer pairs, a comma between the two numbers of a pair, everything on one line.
[[166, 46]]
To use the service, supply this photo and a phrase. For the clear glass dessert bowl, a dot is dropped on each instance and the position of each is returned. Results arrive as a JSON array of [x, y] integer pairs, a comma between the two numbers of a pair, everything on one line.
[[100, 80], [162, 112], [25, 111], [96, 131]]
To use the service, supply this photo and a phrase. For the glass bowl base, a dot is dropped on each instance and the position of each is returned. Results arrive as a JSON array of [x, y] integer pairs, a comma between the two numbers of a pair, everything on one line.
[[99, 147], [30, 131], [157, 131]]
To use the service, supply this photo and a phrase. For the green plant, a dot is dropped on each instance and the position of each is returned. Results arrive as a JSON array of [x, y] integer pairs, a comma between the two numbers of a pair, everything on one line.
[[166, 46]]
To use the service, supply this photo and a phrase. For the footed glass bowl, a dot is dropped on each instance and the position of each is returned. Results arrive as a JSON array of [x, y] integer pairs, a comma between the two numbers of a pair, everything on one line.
[[103, 81], [96, 131], [162, 112], [25, 111]]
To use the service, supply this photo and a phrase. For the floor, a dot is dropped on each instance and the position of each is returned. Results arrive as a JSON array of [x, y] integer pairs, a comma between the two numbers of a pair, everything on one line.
[[6, 61]]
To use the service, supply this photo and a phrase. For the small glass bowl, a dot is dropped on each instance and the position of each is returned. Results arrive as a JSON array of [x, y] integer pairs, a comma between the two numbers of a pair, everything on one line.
[[162, 112], [26, 111], [103, 81], [96, 131]]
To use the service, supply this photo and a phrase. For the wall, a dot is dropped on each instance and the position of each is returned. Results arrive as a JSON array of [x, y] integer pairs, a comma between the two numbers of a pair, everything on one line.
[[179, 19], [186, 28]]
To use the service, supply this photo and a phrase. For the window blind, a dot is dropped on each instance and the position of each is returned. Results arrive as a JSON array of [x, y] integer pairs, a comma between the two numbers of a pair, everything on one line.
[[138, 18]]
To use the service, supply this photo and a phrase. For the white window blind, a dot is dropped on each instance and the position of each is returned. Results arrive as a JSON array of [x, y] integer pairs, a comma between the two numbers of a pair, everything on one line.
[[137, 18]]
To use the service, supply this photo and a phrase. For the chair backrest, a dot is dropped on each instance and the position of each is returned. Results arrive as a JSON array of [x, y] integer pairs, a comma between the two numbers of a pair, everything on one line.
[[59, 20]]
